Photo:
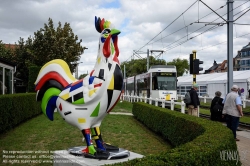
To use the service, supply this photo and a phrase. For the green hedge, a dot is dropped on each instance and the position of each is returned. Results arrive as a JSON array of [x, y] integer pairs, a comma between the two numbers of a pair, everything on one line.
[[197, 141], [17, 108], [33, 73]]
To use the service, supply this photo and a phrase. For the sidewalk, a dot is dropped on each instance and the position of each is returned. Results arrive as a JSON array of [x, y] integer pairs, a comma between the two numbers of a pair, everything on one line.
[[244, 146], [121, 113]]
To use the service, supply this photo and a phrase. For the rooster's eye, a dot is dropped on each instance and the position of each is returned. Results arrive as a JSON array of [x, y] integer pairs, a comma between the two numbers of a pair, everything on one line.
[[106, 31]]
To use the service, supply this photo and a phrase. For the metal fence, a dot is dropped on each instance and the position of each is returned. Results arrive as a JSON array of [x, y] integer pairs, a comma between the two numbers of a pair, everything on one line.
[[172, 102]]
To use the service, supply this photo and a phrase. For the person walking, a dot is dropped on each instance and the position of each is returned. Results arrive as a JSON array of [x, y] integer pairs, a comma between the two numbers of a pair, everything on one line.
[[233, 109], [195, 102], [249, 93], [239, 92], [216, 107]]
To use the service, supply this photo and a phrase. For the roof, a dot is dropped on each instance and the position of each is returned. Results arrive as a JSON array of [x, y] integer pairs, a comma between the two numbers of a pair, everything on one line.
[[238, 76], [2, 60], [247, 46], [10, 46]]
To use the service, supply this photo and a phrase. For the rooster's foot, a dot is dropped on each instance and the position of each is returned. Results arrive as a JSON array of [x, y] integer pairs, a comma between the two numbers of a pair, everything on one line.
[[99, 154], [110, 148]]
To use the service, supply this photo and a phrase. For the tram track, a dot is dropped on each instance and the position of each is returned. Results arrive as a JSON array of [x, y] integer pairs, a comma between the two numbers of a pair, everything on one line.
[[207, 107], [242, 126]]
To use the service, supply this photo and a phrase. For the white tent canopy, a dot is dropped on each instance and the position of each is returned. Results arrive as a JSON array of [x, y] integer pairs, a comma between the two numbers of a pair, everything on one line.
[[217, 81]]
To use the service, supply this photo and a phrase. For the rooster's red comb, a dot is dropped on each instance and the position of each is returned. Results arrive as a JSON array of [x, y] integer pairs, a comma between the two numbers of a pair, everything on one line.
[[101, 24]]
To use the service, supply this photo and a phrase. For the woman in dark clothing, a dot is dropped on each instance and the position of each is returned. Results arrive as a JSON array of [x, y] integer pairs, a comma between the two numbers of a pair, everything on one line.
[[216, 112]]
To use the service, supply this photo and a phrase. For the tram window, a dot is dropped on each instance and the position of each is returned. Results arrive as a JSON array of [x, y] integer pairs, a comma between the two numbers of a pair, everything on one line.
[[166, 83], [154, 83], [130, 88]]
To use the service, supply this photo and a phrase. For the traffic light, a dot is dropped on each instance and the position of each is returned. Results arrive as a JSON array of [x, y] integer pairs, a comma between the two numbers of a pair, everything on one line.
[[197, 68], [191, 64]]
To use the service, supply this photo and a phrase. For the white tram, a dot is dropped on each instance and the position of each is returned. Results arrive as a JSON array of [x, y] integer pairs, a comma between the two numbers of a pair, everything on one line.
[[159, 82]]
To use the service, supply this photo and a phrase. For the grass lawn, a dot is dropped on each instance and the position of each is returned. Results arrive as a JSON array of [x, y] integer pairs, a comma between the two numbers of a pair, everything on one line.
[[42, 134], [123, 106]]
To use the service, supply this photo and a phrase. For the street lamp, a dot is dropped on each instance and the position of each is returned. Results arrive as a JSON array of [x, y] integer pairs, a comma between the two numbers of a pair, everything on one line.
[[77, 64], [77, 69]]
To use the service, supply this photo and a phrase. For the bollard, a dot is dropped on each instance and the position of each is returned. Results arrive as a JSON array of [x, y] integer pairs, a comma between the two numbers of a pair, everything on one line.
[[198, 111], [183, 107], [205, 99], [163, 104], [244, 103], [150, 101], [156, 102], [172, 105]]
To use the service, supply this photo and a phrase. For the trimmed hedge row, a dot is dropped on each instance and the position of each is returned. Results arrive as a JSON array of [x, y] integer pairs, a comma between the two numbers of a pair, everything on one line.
[[17, 108], [197, 141]]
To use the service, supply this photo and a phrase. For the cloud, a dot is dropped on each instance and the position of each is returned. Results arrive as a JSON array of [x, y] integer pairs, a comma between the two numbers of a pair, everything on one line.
[[153, 25]]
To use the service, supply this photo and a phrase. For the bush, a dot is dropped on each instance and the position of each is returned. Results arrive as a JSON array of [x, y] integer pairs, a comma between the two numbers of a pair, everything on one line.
[[17, 108], [197, 141]]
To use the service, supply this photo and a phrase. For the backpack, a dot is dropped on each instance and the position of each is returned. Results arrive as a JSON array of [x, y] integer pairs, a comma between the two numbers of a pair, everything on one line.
[[187, 98], [217, 108], [216, 112]]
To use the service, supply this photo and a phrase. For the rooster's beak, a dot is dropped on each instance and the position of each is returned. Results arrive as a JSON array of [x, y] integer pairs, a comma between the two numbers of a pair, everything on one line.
[[115, 32]]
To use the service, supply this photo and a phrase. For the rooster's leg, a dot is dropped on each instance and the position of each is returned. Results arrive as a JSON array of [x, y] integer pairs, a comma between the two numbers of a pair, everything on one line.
[[90, 151], [96, 135], [90, 147]]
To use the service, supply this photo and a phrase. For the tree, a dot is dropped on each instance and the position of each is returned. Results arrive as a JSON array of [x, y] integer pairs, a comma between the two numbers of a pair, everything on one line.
[[139, 66], [5, 53], [22, 58], [50, 43], [181, 65], [47, 44], [82, 76]]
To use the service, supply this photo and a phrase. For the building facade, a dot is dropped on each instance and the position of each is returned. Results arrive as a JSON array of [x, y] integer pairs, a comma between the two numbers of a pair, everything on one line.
[[7, 70], [245, 58]]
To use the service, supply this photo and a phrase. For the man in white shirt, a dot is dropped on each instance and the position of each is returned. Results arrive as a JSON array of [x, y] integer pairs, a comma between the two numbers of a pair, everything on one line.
[[233, 109]]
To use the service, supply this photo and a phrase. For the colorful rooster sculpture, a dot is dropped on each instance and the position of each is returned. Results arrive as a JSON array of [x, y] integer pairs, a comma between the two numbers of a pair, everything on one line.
[[84, 103]]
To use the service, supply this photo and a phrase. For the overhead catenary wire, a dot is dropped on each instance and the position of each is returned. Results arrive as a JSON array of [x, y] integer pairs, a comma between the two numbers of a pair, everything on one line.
[[198, 29], [167, 26], [188, 25], [186, 28], [200, 19], [222, 42]]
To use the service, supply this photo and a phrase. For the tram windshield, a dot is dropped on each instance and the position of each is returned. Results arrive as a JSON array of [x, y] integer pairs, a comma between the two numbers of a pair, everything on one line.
[[164, 82]]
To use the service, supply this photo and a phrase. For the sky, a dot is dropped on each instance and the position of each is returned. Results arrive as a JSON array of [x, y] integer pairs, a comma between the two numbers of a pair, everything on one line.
[[177, 28]]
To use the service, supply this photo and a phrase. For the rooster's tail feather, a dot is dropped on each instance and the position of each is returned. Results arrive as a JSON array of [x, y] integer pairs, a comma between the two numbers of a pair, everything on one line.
[[53, 77]]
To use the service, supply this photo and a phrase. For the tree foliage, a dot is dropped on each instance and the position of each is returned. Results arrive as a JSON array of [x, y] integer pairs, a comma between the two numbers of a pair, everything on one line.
[[181, 65], [5, 53], [139, 66], [82, 76], [47, 44]]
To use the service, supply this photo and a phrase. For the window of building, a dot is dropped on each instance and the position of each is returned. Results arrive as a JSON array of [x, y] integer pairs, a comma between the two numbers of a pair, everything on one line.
[[8, 81], [248, 62], [244, 53], [242, 62], [202, 90]]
